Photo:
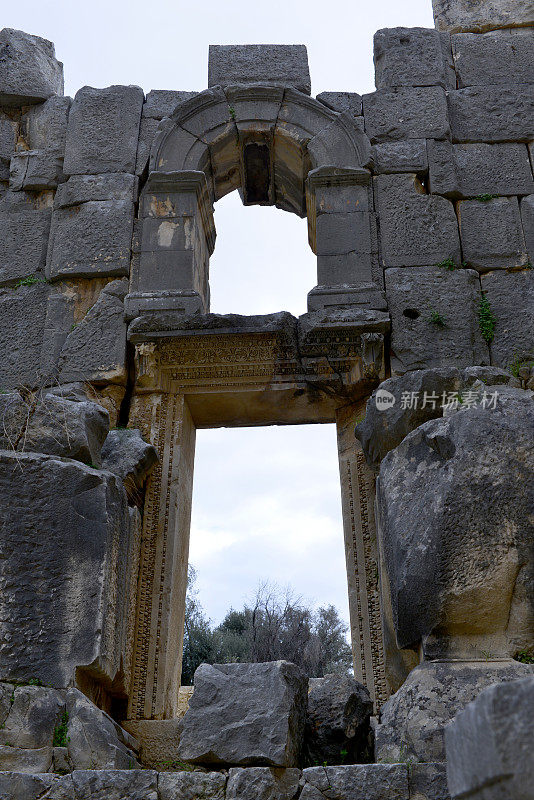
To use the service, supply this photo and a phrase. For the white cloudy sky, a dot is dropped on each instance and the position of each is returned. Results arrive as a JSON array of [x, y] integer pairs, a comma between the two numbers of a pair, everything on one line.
[[266, 500]]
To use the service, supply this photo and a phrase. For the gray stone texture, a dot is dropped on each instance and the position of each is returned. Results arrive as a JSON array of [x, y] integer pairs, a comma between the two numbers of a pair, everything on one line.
[[285, 64], [409, 155], [263, 783], [245, 714], [83, 566], [496, 57], [24, 229], [527, 219], [29, 70], [413, 57], [193, 785], [8, 135], [44, 126], [413, 720], [384, 428], [128, 456], [94, 740], [337, 727], [22, 324], [32, 717], [417, 342], [415, 228], [34, 170], [352, 782], [489, 744], [485, 15], [428, 781], [95, 350], [92, 225], [470, 473], [497, 113], [469, 170], [18, 786], [351, 102], [492, 234], [406, 113], [511, 297], [103, 130], [115, 784], [161, 103]]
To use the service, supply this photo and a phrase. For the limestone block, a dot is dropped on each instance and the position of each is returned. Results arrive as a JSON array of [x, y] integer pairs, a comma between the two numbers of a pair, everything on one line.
[[19, 786], [128, 456], [428, 781], [83, 567], [470, 472], [403, 156], [495, 57], [147, 133], [489, 744], [60, 760], [158, 740], [415, 228], [8, 135], [417, 342], [92, 224], [94, 740], [267, 700], [35, 170], [351, 102], [406, 113], [469, 170], [491, 233], [160, 103], [22, 323], [32, 718], [412, 722], [29, 70], [527, 219], [103, 130], [29, 761], [485, 15], [500, 113], [413, 57], [337, 727], [372, 781], [192, 785], [343, 143], [259, 63], [24, 232], [96, 349], [115, 784], [511, 297], [263, 783], [383, 428]]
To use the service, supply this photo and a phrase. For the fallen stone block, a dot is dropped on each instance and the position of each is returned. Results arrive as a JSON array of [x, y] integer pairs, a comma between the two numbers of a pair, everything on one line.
[[445, 593], [406, 113], [285, 64], [103, 130], [495, 57], [511, 298], [491, 233], [434, 318], [92, 225], [29, 70], [84, 566], [337, 727], [412, 722], [485, 15], [352, 782], [267, 700], [93, 739], [501, 113], [263, 783], [489, 744], [404, 156], [415, 228], [95, 350], [128, 456], [27, 761], [34, 713], [413, 57], [192, 785], [18, 786]]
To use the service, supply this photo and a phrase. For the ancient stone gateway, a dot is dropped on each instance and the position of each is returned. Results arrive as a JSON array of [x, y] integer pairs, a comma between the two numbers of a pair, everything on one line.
[[276, 146]]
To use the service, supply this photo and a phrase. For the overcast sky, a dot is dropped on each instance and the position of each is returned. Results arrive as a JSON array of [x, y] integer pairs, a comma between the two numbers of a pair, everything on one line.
[[266, 501]]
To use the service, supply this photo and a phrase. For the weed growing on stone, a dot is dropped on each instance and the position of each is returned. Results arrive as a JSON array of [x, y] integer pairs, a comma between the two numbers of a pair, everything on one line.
[[486, 319], [174, 766], [231, 109], [447, 263], [60, 731], [524, 657], [518, 363], [29, 281], [485, 198], [437, 319]]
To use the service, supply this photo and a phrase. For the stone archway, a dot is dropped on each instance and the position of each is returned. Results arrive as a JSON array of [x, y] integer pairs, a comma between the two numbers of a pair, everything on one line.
[[276, 146]]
